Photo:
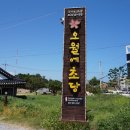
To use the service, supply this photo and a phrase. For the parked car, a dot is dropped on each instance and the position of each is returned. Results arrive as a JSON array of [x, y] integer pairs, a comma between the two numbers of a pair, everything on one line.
[[43, 91]]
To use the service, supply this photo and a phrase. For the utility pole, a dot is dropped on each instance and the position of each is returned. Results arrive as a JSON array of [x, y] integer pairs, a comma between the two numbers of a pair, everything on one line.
[[101, 73], [5, 65], [17, 57], [17, 53]]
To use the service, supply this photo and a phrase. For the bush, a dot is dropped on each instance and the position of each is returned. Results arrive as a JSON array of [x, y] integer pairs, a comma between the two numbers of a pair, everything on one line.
[[104, 112], [93, 89], [119, 121]]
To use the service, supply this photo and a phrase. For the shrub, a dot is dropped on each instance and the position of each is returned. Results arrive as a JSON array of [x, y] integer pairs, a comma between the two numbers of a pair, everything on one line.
[[119, 121], [93, 89], [104, 112]]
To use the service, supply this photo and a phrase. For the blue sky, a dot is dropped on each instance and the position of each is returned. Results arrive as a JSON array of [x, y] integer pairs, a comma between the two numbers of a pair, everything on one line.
[[31, 36]]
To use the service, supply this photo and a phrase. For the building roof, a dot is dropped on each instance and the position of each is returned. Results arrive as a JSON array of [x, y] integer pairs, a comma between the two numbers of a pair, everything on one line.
[[11, 80]]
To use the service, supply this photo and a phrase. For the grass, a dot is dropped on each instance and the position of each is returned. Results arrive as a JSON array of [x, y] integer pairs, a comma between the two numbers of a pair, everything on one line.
[[32, 110], [44, 111], [105, 106]]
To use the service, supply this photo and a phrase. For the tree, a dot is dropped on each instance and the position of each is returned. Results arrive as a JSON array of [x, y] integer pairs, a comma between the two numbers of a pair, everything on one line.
[[116, 74], [54, 85], [34, 82], [94, 81], [93, 86]]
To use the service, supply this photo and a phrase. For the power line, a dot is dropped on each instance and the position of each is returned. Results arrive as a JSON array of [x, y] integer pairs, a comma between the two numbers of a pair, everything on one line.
[[34, 69], [100, 48], [31, 55], [59, 52], [27, 20], [107, 47]]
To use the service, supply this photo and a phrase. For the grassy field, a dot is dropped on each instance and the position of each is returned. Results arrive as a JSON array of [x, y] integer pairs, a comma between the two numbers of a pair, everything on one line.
[[104, 112]]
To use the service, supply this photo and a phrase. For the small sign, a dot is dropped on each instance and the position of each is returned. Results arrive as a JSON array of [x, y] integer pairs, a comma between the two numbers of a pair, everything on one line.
[[74, 101]]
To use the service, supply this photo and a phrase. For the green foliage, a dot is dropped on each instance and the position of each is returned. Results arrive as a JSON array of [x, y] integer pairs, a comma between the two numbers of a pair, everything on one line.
[[34, 82], [1, 108], [54, 85], [40, 111], [93, 86], [119, 121], [94, 82], [54, 123], [115, 74], [104, 112], [106, 109], [93, 89]]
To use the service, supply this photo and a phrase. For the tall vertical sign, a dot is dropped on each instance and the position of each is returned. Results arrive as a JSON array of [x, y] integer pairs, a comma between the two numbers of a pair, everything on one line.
[[74, 94]]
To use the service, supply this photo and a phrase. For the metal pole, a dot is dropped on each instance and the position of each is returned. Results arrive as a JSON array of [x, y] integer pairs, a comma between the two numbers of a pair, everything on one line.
[[100, 73]]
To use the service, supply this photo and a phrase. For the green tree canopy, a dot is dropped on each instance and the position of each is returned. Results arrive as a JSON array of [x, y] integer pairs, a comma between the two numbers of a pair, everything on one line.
[[54, 85], [116, 74], [94, 82], [34, 82], [93, 86]]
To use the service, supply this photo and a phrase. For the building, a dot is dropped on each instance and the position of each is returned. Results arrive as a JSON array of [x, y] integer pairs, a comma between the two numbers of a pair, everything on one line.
[[9, 83], [124, 84]]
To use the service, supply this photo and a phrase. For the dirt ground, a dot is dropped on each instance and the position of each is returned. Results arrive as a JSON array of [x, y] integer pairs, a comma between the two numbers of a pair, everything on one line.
[[7, 126]]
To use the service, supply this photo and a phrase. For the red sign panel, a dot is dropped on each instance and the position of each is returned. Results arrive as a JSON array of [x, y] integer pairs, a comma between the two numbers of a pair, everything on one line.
[[73, 94]]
